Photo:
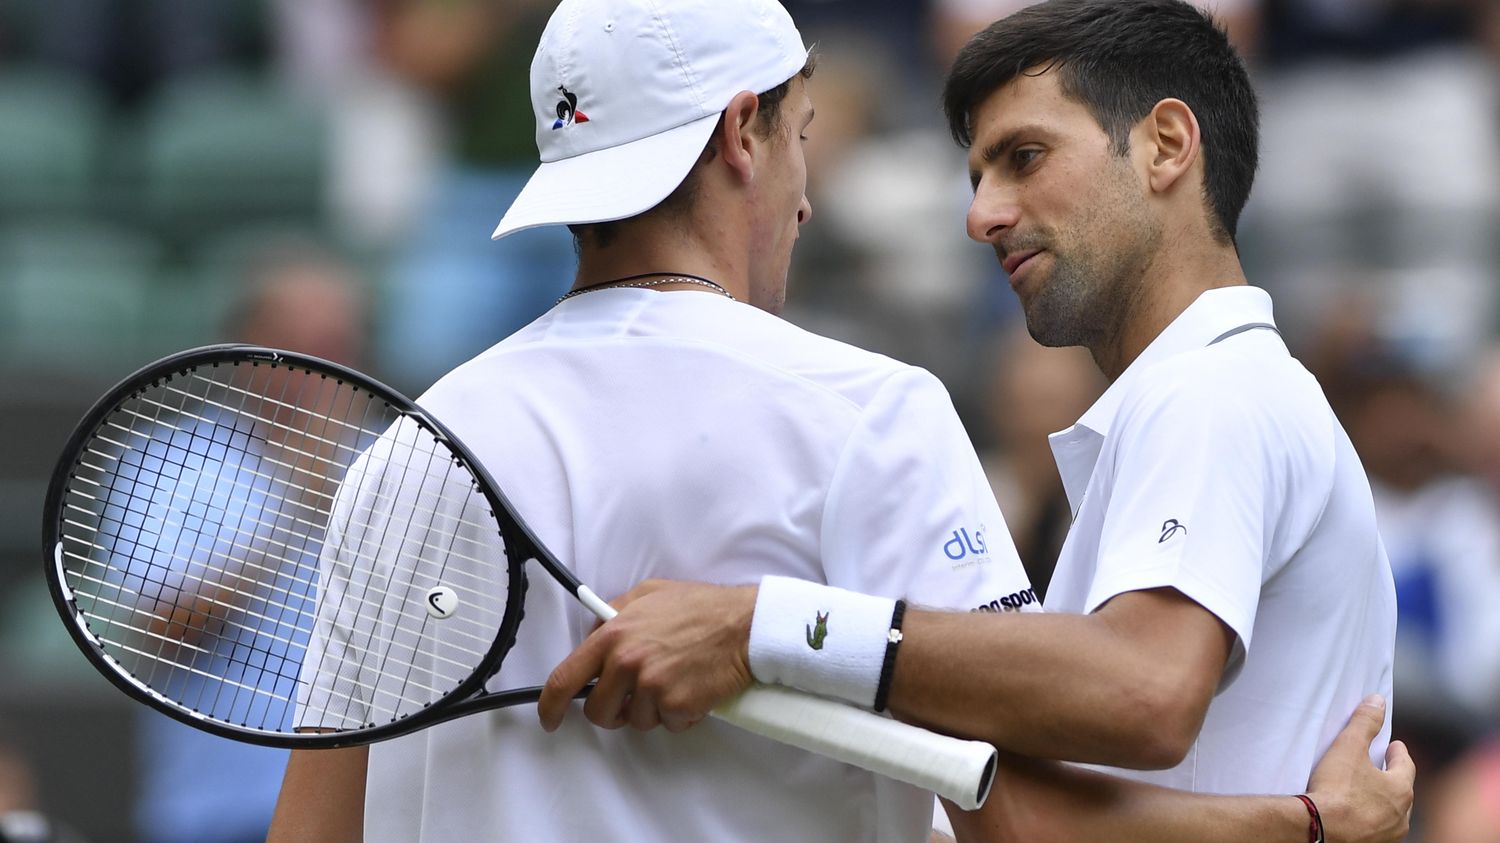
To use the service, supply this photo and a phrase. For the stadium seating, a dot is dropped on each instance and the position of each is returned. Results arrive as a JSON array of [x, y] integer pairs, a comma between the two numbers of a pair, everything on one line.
[[51, 128], [223, 150], [73, 293]]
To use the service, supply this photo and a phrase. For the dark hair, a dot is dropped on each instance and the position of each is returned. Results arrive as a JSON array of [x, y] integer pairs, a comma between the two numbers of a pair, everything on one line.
[[1119, 58], [767, 121]]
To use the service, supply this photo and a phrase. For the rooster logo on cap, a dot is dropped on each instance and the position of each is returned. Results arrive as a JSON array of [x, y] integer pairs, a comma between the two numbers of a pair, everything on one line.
[[567, 110]]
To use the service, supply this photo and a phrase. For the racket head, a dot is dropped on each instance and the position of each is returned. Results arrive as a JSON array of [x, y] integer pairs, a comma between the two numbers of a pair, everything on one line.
[[207, 475]]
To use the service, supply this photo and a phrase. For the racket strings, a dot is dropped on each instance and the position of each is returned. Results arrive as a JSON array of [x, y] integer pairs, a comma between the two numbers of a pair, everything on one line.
[[375, 689], [248, 536], [286, 593], [136, 608], [323, 515], [275, 528], [384, 654], [239, 462], [463, 667], [473, 592], [258, 573], [211, 696], [269, 477], [290, 450]]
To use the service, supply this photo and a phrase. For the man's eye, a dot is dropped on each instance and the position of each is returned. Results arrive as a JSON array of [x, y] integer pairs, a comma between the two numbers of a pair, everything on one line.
[[1025, 157]]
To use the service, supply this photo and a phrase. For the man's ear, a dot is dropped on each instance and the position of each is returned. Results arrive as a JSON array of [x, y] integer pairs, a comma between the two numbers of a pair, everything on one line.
[[736, 136], [1171, 138]]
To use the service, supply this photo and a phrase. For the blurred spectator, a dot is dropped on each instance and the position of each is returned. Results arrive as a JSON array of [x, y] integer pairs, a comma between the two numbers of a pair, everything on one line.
[[1310, 31], [329, 51], [322, 44], [1465, 800], [882, 263], [889, 30], [17, 786], [1033, 392], [21, 818], [302, 298], [130, 48], [195, 787], [1442, 532], [452, 291], [1440, 525], [1379, 151], [958, 20], [1481, 420]]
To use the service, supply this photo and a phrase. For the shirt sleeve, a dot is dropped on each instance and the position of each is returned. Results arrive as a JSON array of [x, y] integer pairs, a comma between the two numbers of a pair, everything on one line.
[[405, 521], [909, 512], [1198, 491], [330, 691]]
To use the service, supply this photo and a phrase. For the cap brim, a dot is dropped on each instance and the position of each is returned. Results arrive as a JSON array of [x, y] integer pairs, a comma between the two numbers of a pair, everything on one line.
[[609, 184]]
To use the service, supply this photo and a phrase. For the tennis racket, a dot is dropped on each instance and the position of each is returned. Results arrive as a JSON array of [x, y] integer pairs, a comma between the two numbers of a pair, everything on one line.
[[280, 550]]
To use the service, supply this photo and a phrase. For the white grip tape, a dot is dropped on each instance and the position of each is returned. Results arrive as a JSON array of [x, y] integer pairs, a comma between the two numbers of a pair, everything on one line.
[[602, 610], [960, 771]]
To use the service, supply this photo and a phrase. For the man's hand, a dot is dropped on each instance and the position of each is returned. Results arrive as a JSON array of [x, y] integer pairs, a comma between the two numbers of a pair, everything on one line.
[[1359, 802], [675, 651]]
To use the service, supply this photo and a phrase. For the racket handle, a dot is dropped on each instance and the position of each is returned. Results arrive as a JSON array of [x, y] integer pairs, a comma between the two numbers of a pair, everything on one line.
[[958, 770]]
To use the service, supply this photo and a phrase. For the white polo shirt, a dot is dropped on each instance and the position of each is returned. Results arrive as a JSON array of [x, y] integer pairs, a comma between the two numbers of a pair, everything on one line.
[[682, 435], [1215, 466]]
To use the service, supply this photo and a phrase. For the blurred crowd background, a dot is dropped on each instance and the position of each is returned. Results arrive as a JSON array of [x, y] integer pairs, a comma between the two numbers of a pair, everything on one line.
[[323, 175]]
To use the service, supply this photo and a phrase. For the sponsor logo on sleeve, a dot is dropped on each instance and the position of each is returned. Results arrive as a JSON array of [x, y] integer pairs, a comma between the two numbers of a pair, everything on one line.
[[1010, 603], [967, 547], [1170, 529]]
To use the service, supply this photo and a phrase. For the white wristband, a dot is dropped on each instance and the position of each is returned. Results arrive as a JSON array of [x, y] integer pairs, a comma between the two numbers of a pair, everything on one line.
[[819, 638]]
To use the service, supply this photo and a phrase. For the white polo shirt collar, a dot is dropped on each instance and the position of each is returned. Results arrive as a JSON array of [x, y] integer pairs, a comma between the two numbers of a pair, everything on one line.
[[1215, 315]]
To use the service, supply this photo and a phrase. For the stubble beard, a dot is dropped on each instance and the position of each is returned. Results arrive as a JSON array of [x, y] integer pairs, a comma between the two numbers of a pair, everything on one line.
[[1060, 314], [1087, 303], [1094, 283]]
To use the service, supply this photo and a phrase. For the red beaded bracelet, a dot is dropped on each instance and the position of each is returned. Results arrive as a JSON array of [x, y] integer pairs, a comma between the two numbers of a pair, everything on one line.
[[1315, 824]]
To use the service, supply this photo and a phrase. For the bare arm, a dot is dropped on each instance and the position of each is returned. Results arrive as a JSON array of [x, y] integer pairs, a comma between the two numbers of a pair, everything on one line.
[[322, 797], [1045, 801], [1036, 800], [1127, 686]]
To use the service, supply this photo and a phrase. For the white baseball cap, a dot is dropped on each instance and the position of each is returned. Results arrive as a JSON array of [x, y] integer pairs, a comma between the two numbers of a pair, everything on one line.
[[627, 92]]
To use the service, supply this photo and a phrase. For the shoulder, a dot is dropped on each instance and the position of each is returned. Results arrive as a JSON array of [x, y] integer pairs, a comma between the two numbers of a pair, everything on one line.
[[1238, 387], [692, 337], [856, 374], [1232, 409]]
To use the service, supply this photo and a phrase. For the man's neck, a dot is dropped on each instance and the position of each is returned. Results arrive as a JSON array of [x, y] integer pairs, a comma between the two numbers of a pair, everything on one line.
[[642, 251], [1168, 288]]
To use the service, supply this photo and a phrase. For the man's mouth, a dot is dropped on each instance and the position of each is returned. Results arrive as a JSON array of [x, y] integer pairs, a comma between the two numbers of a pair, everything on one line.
[[1014, 262]]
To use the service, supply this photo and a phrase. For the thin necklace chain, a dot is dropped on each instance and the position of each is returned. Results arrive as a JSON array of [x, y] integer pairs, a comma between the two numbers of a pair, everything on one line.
[[636, 281]]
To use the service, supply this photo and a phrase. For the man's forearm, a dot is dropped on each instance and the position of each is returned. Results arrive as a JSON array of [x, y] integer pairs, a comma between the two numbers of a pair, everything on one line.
[[1035, 800], [1070, 687], [1046, 801], [322, 797]]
